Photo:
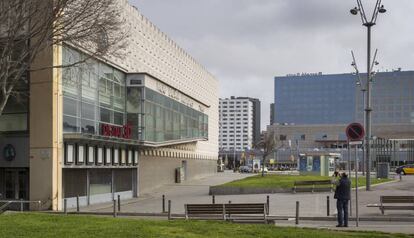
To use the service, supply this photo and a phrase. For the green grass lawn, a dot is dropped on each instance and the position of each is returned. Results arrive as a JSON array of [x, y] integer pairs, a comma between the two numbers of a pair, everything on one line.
[[286, 181], [44, 226]]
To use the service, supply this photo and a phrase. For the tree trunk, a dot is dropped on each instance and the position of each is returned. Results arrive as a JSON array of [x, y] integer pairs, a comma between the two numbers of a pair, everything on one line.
[[263, 159]]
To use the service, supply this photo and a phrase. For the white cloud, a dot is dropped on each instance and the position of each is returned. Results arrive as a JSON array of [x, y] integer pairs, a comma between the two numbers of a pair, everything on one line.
[[246, 43]]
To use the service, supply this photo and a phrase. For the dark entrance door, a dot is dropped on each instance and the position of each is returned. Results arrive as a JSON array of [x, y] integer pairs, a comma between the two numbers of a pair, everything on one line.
[[16, 183]]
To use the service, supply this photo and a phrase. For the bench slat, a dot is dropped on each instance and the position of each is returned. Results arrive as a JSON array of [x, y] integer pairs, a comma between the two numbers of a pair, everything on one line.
[[230, 209], [398, 207], [313, 182]]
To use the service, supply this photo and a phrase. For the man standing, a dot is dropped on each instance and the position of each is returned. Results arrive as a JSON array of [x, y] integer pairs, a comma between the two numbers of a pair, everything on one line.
[[342, 194]]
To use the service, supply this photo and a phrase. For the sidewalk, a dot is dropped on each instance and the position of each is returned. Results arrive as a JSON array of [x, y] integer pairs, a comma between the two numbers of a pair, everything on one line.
[[281, 204]]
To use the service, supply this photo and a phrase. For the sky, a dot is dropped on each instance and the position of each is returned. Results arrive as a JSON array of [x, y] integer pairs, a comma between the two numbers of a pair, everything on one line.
[[246, 43]]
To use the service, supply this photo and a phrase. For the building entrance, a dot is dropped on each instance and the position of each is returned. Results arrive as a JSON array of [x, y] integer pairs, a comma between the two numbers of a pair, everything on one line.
[[16, 184]]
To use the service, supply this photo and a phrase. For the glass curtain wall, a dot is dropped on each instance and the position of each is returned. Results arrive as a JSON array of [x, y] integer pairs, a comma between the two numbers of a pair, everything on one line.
[[93, 93], [167, 119]]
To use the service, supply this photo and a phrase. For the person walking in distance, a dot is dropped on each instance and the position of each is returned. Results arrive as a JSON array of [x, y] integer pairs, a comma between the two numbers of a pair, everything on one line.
[[342, 194]]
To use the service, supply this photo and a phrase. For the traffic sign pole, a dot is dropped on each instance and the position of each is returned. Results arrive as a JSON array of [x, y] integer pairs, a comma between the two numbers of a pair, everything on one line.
[[355, 133], [356, 186], [349, 175]]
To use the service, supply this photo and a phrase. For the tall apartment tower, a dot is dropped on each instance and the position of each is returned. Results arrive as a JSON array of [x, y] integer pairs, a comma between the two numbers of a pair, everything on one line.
[[272, 113], [239, 120]]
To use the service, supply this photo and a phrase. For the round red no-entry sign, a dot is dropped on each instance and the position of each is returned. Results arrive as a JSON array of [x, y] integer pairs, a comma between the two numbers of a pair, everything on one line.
[[355, 131]]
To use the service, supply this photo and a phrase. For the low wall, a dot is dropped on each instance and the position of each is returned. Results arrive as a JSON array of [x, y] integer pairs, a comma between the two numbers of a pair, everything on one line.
[[222, 190]]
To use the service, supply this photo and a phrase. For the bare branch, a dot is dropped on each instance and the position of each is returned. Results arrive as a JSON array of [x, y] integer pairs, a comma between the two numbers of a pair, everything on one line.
[[27, 27]]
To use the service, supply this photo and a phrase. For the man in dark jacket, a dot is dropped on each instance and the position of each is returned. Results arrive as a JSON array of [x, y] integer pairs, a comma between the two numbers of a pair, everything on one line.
[[343, 194]]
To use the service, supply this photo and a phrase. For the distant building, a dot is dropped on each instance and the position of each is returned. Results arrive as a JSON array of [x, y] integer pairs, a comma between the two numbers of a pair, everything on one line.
[[336, 99], [313, 110], [239, 123], [272, 113]]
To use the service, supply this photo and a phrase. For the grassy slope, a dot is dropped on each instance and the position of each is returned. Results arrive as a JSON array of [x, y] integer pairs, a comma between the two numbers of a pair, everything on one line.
[[286, 181], [44, 226]]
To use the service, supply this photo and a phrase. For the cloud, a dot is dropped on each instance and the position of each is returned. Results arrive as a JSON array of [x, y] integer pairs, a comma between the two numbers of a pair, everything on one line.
[[246, 43]]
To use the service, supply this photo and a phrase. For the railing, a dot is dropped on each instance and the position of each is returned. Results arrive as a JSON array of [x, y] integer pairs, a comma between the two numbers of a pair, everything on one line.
[[7, 203]]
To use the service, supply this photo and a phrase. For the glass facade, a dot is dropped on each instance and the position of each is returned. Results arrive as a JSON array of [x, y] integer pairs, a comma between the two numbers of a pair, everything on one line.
[[163, 118], [392, 98], [93, 93], [318, 99], [337, 99]]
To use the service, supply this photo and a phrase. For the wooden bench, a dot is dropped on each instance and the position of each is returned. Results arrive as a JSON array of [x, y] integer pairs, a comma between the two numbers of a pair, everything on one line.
[[246, 212], [400, 203], [232, 211], [208, 211], [307, 184]]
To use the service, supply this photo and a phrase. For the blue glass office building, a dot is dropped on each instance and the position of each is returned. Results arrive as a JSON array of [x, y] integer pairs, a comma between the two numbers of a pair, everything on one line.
[[315, 99]]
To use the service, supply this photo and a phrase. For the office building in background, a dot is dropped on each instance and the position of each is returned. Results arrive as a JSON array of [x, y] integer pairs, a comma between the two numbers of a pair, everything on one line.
[[239, 125]]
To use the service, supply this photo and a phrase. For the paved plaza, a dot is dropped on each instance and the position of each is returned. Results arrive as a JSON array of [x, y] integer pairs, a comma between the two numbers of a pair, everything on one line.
[[281, 204]]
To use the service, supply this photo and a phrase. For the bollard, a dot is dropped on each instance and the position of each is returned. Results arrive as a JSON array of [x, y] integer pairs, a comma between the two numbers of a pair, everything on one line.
[[39, 205], [267, 205], [327, 206], [163, 203], [21, 205], [119, 203], [77, 203], [114, 201], [65, 206], [400, 174], [213, 199], [297, 213], [169, 209]]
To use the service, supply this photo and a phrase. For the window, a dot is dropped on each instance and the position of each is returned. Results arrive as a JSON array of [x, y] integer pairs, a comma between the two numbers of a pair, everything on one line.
[[130, 157], [123, 156], [116, 156], [93, 92], [69, 154], [135, 157], [108, 156], [91, 154], [81, 154], [100, 156]]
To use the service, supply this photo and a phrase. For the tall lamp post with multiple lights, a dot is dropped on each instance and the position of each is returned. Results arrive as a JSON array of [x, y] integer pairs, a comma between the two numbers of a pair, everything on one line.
[[363, 90], [369, 24]]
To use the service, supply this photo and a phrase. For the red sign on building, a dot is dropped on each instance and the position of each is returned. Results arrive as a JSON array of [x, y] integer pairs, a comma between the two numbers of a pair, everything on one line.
[[116, 131]]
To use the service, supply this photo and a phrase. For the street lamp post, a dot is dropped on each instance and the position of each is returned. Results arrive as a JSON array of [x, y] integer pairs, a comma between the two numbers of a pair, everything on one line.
[[368, 24]]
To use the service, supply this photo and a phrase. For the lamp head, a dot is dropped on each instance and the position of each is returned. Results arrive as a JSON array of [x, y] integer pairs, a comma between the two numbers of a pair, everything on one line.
[[382, 9], [354, 11]]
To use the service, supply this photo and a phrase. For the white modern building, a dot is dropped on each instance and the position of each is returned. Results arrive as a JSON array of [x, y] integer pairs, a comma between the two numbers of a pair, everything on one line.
[[113, 126], [239, 124]]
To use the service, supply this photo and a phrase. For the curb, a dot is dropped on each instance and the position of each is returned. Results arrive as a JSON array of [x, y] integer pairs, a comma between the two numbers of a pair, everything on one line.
[[378, 184], [270, 217]]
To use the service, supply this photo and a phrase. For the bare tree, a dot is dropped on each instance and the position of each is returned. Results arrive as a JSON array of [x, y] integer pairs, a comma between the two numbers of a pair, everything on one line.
[[268, 145], [28, 27]]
